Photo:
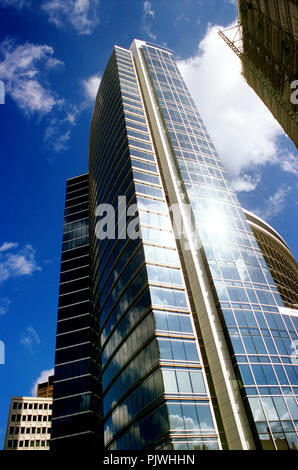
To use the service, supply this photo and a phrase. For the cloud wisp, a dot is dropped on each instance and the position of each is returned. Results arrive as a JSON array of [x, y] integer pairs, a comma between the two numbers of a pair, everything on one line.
[[30, 338], [274, 204], [18, 263], [18, 4], [78, 15], [148, 16], [4, 305]]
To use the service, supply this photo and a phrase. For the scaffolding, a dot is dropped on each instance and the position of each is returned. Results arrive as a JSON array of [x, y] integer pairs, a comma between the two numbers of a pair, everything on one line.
[[265, 40]]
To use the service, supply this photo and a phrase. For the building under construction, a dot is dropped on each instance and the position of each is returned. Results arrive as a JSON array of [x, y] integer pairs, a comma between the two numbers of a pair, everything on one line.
[[268, 49]]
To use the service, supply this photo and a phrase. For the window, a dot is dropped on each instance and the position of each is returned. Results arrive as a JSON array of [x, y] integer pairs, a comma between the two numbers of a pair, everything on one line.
[[169, 378]]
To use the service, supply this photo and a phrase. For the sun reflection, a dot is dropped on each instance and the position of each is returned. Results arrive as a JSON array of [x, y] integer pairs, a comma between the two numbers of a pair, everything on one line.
[[215, 224]]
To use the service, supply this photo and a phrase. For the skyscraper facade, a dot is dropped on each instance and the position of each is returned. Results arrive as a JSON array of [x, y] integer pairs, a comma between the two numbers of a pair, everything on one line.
[[75, 395], [195, 345], [279, 259]]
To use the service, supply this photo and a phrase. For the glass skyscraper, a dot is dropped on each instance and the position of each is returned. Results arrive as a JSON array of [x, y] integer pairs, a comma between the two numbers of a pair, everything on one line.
[[76, 410], [193, 347]]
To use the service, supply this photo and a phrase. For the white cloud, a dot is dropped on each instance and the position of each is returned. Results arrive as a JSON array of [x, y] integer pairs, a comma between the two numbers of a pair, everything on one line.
[[30, 338], [80, 15], [22, 70], [90, 87], [15, 264], [289, 163], [25, 70], [246, 182], [274, 204], [242, 128], [44, 375]]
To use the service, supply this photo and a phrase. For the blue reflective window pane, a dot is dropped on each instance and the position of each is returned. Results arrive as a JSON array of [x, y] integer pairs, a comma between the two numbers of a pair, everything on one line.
[[190, 417], [270, 345], [165, 349], [205, 417], [259, 345], [269, 374], [281, 408], [237, 344], [259, 374], [183, 380], [246, 374], [249, 345], [197, 382], [185, 324], [173, 322], [282, 378], [178, 351], [161, 320], [292, 405], [191, 351]]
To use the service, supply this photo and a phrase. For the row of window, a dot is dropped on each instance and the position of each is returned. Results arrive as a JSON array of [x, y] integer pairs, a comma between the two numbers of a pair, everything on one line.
[[23, 430], [19, 405], [255, 319], [134, 371], [13, 443], [149, 390], [18, 417], [267, 374], [128, 349]]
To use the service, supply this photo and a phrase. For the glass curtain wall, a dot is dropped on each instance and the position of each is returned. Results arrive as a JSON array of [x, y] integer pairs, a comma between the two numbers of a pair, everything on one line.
[[261, 340], [76, 403], [154, 389]]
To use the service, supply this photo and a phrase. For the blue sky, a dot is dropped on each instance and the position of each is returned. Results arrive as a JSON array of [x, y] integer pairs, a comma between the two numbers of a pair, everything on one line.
[[52, 55]]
